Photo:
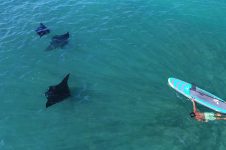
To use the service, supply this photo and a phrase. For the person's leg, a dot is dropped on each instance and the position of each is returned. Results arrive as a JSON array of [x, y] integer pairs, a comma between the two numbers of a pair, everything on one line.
[[219, 118]]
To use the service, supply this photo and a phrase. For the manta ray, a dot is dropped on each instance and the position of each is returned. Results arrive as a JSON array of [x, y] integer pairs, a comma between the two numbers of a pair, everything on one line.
[[42, 30], [58, 41], [58, 93]]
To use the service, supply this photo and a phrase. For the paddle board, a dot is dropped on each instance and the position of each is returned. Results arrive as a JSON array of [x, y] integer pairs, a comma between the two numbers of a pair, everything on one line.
[[198, 95]]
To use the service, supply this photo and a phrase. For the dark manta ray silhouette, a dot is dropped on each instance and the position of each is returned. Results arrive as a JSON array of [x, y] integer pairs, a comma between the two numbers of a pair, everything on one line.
[[42, 30], [58, 41], [58, 92]]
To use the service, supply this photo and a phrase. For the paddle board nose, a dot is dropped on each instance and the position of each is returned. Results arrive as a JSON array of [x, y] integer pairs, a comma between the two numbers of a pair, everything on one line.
[[171, 82], [180, 86]]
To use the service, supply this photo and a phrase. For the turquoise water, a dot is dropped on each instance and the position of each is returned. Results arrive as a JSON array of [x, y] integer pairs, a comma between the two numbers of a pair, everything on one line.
[[120, 56]]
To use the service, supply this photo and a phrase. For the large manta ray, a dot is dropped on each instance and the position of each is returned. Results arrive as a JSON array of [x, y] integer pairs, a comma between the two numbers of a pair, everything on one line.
[[42, 30], [58, 92], [58, 41]]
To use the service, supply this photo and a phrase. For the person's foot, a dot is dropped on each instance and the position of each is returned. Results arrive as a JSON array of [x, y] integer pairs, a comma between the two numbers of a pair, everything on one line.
[[218, 114]]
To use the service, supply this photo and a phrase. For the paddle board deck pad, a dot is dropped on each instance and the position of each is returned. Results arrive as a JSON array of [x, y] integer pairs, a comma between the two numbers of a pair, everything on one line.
[[198, 95]]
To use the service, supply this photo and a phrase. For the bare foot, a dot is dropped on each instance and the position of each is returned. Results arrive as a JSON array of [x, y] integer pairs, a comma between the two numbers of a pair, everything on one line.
[[218, 115]]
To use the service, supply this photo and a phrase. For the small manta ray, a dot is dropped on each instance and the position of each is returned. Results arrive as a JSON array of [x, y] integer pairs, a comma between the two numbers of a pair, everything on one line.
[[58, 92], [58, 41], [42, 30]]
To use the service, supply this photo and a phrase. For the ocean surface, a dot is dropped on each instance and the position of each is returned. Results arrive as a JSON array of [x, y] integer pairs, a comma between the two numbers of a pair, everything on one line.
[[120, 55]]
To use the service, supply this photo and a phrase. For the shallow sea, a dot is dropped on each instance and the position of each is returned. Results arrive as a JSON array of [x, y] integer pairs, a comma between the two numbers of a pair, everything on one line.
[[120, 55]]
